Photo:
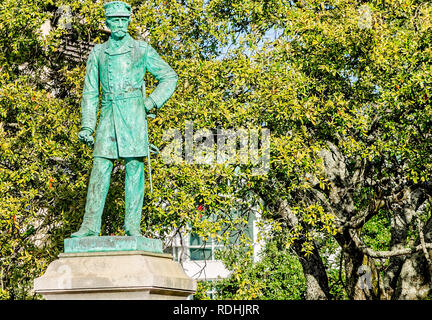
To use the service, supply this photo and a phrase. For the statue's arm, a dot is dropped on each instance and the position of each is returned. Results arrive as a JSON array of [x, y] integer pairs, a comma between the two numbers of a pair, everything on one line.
[[166, 77], [90, 96]]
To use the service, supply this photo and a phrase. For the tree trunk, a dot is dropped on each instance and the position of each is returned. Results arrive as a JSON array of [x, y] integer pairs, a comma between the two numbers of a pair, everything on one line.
[[315, 273], [313, 267]]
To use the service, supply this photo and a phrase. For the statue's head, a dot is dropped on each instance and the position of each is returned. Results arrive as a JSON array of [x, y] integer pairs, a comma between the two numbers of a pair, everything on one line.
[[118, 17]]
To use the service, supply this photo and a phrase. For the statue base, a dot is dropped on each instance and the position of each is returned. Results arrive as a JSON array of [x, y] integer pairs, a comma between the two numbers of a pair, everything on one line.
[[114, 275], [112, 243]]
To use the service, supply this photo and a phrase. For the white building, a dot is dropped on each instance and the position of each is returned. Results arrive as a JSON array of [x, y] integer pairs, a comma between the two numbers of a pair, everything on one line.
[[198, 256]]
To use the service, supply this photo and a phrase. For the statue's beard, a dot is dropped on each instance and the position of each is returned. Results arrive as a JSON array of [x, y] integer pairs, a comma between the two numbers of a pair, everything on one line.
[[119, 33]]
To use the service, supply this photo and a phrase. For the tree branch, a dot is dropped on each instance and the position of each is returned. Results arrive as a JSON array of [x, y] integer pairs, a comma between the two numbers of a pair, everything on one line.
[[423, 244], [387, 254]]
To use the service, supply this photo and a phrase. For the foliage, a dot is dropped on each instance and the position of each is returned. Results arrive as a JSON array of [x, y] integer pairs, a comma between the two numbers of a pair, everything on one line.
[[277, 275], [42, 180], [203, 290], [344, 94], [376, 233]]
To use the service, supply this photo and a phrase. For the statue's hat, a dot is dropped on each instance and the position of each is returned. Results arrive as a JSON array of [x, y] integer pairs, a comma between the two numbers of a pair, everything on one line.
[[117, 9]]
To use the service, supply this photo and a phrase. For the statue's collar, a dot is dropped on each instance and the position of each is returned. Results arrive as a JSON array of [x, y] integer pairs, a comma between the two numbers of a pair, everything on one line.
[[127, 45]]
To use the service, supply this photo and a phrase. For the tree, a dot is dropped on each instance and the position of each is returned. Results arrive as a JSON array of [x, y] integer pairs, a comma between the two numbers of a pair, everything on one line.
[[343, 87], [276, 276], [358, 94]]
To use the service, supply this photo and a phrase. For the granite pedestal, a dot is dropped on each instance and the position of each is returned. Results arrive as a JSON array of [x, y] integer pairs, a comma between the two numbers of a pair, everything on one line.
[[114, 269]]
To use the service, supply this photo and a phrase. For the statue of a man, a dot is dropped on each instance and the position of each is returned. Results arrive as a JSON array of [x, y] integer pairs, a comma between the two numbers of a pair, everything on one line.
[[118, 67]]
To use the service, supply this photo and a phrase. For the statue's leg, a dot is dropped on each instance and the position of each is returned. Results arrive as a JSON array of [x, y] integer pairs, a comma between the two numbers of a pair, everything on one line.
[[97, 191], [134, 195]]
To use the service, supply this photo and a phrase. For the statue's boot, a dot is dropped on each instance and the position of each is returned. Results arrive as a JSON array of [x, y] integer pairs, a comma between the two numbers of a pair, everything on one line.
[[83, 232], [134, 195], [134, 233], [97, 191]]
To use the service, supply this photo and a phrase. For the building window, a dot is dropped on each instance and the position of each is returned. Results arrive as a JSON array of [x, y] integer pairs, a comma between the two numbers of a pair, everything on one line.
[[202, 250], [205, 250], [191, 247]]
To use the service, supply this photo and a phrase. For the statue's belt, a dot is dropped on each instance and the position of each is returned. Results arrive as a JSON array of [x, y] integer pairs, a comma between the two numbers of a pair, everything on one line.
[[112, 96]]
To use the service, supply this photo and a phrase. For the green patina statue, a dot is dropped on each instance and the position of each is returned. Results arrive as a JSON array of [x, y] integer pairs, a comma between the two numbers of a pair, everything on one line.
[[118, 67]]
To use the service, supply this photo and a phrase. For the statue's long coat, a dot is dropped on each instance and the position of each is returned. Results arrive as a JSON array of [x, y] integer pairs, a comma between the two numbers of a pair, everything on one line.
[[119, 72]]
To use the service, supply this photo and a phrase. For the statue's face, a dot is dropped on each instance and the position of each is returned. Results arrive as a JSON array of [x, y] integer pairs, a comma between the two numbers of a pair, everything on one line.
[[118, 26]]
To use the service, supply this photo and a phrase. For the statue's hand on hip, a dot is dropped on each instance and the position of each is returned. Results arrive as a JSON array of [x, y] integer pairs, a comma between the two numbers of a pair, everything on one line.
[[148, 105], [85, 136]]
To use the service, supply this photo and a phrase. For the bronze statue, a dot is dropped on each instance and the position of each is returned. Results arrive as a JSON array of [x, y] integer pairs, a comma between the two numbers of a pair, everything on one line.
[[118, 67]]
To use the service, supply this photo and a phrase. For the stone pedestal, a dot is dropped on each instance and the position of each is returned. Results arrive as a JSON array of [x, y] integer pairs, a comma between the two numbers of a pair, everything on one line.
[[114, 275]]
